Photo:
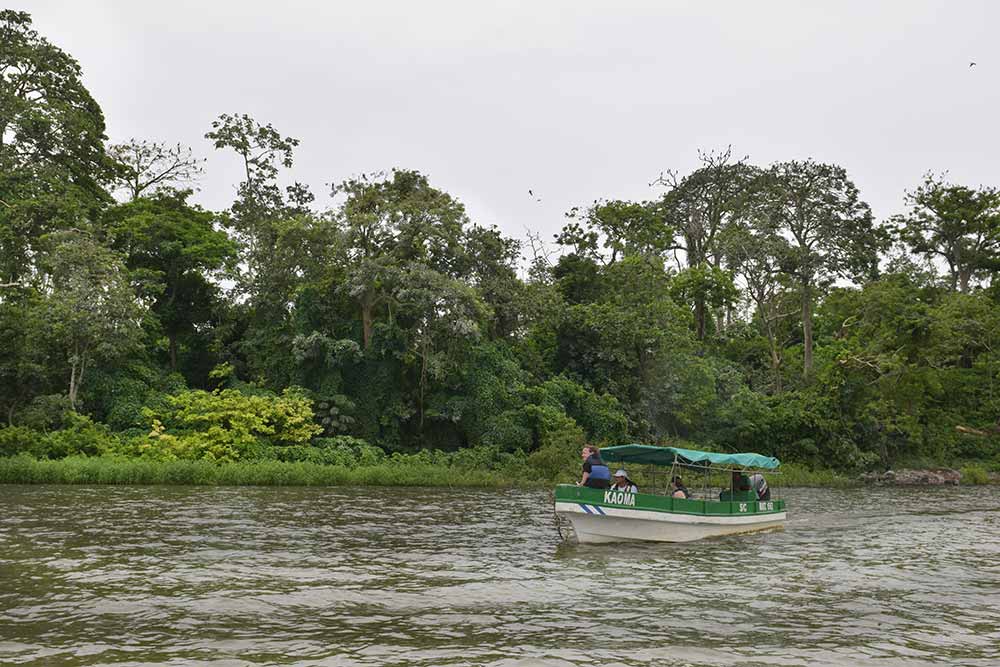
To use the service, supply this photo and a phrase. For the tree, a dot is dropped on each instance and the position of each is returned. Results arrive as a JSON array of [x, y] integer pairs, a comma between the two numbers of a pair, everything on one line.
[[754, 258], [267, 222], [147, 164], [52, 160], [388, 222], [489, 263], [89, 310], [700, 207], [621, 228], [175, 249], [22, 369], [828, 231], [955, 223], [260, 202], [442, 316]]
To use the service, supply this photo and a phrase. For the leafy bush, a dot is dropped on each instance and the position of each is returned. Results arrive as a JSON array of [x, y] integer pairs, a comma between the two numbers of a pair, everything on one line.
[[225, 425], [45, 413], [19, 439], [81, 436], [560, 441], [974, 474]]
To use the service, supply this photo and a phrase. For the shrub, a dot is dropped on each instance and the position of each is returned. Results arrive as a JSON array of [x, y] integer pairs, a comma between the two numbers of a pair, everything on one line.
[[974, 474], [19, 439], [560, 440], [45, 413], [81, 436], [226, 425]]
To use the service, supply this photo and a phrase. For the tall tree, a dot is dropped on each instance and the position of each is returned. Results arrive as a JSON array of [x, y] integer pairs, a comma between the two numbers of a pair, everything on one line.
[[442, 317], [611, 230], [53, 165], [700, 207], [260, 202], [89, 311], [828, 229], [176, 250], [955, 223], [389, 221], [754, 259]]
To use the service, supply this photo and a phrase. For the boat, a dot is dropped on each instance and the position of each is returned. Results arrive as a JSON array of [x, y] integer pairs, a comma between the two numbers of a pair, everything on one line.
[[604, 515]]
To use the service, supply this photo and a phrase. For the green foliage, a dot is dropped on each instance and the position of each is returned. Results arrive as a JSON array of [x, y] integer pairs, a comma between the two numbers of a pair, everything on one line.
[[18, 440], [225, 425], [90, 314], [334, 415], [955, 223], [45, 413], [53, 164], [175, 251], [974, 474], [79, 436]]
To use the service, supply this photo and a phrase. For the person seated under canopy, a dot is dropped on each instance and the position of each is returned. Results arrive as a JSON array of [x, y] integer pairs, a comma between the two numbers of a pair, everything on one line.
[[740, 488], [760, 486]]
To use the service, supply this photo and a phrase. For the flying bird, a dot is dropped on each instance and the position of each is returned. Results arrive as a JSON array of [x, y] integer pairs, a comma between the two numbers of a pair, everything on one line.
[[972, 64], [532, 194]]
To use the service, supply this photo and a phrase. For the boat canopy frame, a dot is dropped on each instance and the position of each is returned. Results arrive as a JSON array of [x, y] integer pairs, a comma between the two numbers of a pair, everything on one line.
[[688, 458]]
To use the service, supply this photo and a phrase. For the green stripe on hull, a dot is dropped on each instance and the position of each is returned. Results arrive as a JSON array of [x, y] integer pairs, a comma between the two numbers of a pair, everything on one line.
[[643, 501]]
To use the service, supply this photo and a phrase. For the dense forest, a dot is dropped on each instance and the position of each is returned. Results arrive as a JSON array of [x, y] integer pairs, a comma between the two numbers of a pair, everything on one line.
[[743, 307]]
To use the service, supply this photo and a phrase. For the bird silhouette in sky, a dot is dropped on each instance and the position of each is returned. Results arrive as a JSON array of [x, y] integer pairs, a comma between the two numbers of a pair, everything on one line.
[[532, 194], [972, 64]]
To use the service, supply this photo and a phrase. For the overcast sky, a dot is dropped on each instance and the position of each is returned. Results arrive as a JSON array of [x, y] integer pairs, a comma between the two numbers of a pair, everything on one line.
[[574, 100]]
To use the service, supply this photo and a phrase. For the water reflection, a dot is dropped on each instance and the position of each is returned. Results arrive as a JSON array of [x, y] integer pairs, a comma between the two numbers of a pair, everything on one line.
[[260, 576]]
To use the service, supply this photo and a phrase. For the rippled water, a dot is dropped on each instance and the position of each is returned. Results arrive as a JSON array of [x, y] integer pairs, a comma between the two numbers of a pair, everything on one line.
[[268, 576]]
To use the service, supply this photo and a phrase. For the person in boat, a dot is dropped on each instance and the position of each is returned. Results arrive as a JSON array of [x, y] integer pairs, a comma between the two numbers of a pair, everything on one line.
[[759, 485], [596, 474], [680, 491], [740, 488], [621, 482]]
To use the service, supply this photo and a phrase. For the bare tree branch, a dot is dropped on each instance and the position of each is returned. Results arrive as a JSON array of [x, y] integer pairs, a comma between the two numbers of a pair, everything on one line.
[[150, 165]]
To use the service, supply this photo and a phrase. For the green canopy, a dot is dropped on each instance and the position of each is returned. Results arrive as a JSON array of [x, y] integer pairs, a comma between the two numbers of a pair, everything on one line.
[[665, 456]]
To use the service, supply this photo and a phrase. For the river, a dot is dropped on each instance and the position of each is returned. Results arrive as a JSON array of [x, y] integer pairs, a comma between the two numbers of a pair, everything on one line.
[[310, 576]]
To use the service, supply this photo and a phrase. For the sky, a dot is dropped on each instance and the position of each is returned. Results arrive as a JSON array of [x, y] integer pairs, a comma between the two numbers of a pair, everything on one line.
[[576, 101]]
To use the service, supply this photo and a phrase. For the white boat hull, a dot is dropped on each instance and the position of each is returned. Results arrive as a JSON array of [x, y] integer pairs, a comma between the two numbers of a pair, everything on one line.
[[611, 524]]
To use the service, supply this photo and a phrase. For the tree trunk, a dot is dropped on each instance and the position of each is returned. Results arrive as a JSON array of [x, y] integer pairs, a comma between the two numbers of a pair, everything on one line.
[[699, 317], [963, 280], [72, 384], [775, 365], [423, 383], [172, 338], [366, 322], [807, 330]]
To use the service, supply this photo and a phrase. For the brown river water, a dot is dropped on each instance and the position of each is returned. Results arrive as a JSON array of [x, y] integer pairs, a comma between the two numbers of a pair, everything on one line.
[[311, 576]]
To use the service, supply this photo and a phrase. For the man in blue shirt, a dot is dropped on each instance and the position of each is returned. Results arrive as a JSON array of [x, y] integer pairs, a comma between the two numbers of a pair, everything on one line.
[[596, 475]]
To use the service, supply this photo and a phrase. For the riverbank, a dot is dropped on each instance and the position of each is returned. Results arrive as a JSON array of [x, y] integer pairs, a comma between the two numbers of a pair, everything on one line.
[[103, 470], [123, 471]]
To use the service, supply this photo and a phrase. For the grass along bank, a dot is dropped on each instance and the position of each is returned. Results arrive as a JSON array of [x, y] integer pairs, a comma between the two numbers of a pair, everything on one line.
[[24, 469], [107, 470]]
